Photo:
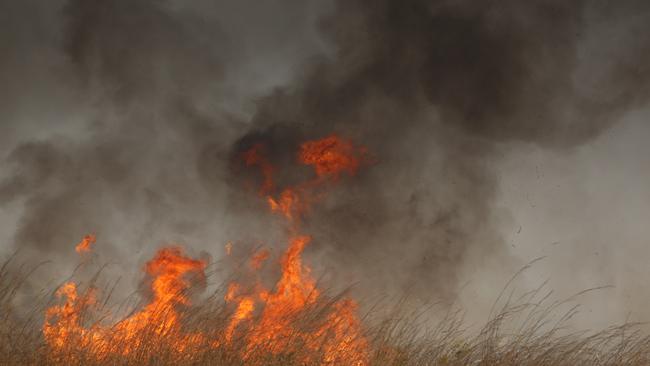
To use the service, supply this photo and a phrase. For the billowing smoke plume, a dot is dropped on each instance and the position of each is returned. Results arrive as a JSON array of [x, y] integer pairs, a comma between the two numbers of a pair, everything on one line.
[[134, 84], [143, 141], [435, 89]]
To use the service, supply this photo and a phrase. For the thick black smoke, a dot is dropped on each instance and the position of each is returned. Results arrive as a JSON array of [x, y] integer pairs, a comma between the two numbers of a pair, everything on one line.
[[436, 89]]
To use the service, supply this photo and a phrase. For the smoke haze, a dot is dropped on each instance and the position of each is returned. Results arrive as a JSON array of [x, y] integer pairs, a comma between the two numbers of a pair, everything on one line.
[[499, 131]]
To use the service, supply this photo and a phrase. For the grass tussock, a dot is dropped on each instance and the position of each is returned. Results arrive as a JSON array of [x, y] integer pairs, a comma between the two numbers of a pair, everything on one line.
[[525, 331]]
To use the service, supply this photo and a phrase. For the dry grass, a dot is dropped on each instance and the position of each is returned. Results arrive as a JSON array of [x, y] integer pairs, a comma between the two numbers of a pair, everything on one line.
[[523, 331]]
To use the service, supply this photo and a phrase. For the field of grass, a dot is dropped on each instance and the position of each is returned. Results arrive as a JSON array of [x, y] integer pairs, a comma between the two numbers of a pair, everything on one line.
[[523, 331]]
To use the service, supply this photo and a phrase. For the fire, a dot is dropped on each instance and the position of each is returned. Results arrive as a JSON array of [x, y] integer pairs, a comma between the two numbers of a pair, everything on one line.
[[268, 321], [331, 156], [254, 157], [169, 270], [295, 290], [68, 317], [85, 244], [288, 204], [342, 342], [244, 311], [339, 338], [258, 259]]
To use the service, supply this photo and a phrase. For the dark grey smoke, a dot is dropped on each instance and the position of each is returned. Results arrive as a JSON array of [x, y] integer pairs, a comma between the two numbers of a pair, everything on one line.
[[133, 129], [436, 89], [139, 72]]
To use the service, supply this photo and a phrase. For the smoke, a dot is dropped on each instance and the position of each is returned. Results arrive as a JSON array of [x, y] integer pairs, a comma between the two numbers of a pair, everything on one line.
[[437, 90], [128, 115], [138, 74]]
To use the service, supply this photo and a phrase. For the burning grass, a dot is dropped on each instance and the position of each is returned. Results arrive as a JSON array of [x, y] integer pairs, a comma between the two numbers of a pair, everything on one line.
[[529, 331], [293, 322]]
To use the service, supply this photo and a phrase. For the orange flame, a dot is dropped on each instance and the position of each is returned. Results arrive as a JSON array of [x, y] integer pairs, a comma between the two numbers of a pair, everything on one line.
[[85, 244], [340, 337], [288, 204], [295, 290], [254, 157], [266, 320], [63, 322], [244, 311], [169, 270], [331, 156], [258, 259]]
